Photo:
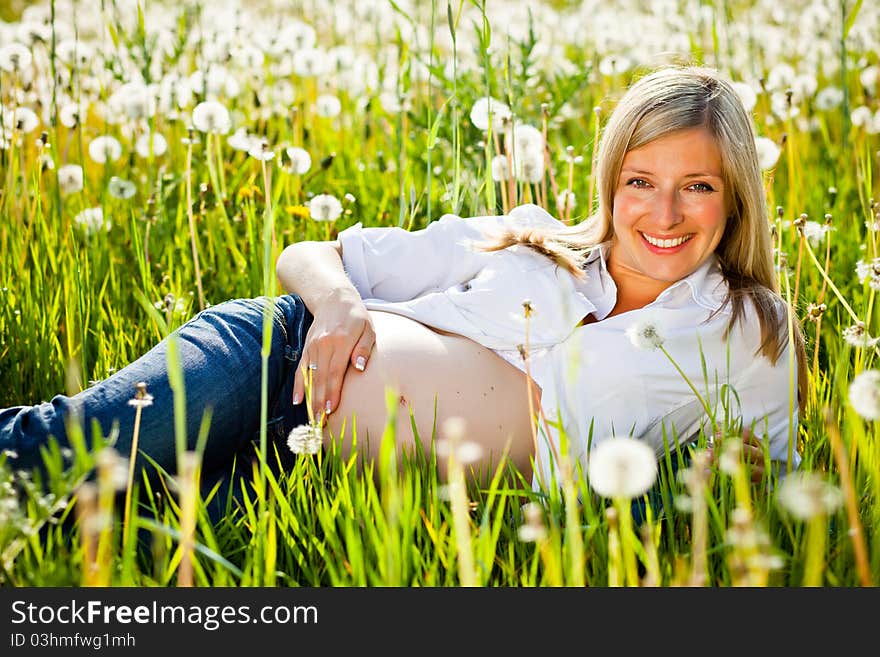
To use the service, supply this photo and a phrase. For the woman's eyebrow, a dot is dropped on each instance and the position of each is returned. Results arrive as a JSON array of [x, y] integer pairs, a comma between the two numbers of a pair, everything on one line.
[[698, 174]]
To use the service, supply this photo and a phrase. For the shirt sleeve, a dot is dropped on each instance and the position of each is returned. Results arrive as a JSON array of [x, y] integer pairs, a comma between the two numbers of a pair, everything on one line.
[[394, 264]]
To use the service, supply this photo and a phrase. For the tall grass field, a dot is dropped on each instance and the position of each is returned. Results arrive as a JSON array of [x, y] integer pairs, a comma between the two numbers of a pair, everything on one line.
[[156, 157]]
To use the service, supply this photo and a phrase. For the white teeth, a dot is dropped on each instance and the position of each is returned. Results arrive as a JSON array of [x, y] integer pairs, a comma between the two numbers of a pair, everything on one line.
[[666, 244]]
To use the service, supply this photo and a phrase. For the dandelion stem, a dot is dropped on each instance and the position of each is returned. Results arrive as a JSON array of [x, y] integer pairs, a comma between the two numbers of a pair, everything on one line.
[[815, 559], [820, 300], [855, 533], [831, 284], [192, 225], [126, 520]]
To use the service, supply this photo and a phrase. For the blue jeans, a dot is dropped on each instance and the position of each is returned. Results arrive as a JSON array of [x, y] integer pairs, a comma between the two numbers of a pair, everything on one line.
[[219, 352]]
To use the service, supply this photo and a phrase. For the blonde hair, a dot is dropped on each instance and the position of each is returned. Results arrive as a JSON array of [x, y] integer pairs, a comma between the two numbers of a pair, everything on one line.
[[664, 101]]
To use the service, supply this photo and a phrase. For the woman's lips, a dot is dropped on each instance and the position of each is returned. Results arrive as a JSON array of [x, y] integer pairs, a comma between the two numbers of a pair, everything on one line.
[[665, 250]]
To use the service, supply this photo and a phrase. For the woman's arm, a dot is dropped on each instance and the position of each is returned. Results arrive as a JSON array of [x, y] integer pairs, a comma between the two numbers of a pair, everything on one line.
[[342, 331]]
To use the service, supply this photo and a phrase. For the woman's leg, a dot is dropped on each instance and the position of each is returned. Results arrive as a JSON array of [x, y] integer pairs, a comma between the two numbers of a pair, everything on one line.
[[219, 352]]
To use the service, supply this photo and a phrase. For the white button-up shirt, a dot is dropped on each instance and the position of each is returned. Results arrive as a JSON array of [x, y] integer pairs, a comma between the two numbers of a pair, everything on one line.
[[592, 377]]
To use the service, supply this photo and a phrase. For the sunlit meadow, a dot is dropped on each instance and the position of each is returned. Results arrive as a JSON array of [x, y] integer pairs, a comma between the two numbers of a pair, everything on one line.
[[156, 157]]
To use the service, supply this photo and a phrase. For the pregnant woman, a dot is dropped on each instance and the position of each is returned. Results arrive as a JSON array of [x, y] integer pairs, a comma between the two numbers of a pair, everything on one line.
[[470, 316]]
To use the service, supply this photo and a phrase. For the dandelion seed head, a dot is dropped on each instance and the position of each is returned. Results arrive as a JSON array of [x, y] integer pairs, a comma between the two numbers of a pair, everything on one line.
[[566, 202], [121, 189], [112, 468], [324, 207], [488, 109], [70, 115], [15, 58], [242, 140], [730, 462], [156, 140], [305, 439], [92, 220], [328, 106], [647, 333], [806, 495], [768, 152], [310, 63], [857, 336], [815, 311], [746, 94], [25, 120], [70, 178], [814, 231], [622, 467], [298, 161], [500, 169], [261, 151], [864, 394], [105, 149], [212, 117]]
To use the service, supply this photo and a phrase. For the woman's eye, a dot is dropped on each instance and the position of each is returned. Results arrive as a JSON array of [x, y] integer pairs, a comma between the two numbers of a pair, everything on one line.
[[637, 182], [702, 187]]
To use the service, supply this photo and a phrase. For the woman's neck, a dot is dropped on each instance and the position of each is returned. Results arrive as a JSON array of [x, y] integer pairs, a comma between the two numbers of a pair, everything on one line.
[[634, 289]]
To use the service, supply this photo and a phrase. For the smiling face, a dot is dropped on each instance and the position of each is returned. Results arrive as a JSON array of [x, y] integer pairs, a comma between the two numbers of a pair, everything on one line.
[[669, 211]]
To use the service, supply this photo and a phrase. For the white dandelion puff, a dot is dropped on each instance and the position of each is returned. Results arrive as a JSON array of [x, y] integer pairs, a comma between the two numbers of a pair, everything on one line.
[[15, 58], [768, 152], [261, 151], [298, 160], [26, 121], [746, 94], [242, 140], [156, 140], [829, 98], [120, 188], [500, 170], [92, 220], [622, 467], [488, 108], [806, 495], [862, 116], [104, 149], [864, 394], [310, 62], [305, 439], [646, 333], [70, 178], [71, 115], [565, 202], [328, 106], [533, 529], [857, 335], [815, 232], [325, 207], [211, 116]]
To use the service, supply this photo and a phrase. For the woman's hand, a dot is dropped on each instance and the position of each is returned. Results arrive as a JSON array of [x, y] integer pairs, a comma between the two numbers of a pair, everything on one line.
[[341, 334], [752, 454]]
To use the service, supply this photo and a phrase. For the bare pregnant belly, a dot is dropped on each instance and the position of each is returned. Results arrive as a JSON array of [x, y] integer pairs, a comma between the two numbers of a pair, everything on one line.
[[425, 367]]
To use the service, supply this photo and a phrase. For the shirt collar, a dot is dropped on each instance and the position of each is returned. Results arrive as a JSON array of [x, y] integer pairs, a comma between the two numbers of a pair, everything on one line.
[[707, 284]]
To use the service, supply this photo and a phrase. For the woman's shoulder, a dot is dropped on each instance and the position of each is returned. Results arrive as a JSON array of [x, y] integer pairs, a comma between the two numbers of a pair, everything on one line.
[[531, 215]]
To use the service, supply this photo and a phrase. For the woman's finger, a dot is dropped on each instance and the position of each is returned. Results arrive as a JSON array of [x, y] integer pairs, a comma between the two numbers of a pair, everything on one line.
[[299, 379], [362, 350], [333, 377], [315, 369]]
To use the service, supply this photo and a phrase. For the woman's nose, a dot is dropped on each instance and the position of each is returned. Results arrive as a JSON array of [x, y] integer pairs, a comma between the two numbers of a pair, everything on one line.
[[667, 212]]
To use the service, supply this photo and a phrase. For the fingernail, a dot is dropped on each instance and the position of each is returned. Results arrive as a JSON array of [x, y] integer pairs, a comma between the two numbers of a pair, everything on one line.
[[296, 398], [329, 407], [360, 363]]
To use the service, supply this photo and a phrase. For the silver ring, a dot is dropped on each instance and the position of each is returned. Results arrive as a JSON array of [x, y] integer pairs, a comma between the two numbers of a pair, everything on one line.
[[313, 366]]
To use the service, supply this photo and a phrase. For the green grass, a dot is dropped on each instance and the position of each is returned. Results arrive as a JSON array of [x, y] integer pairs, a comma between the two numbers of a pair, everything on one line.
[[75, 307]]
